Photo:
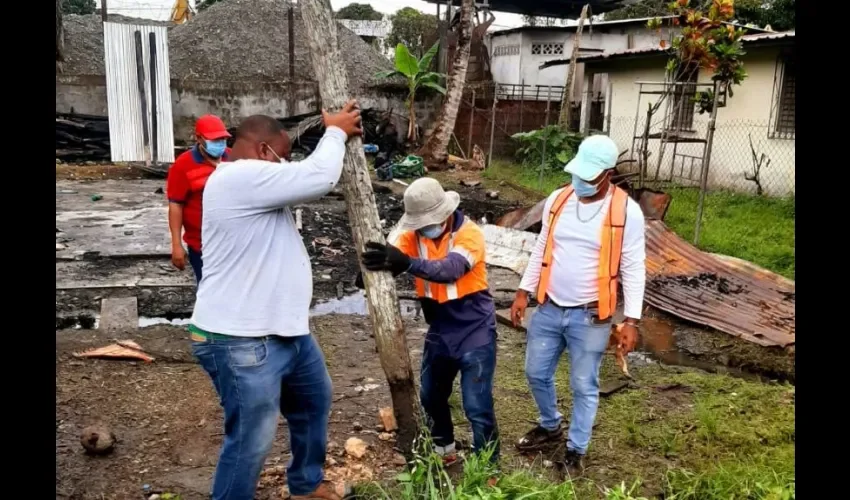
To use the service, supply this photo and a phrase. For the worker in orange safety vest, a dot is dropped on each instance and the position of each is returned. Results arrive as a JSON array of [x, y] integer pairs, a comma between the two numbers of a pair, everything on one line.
[[445, 252], [592, 240]]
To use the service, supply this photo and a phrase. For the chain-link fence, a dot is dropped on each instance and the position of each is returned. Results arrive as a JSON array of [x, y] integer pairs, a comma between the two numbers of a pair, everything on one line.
[[745, 156]]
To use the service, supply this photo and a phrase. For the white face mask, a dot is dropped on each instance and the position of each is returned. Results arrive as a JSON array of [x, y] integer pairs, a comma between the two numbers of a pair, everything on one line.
[[433, 231]]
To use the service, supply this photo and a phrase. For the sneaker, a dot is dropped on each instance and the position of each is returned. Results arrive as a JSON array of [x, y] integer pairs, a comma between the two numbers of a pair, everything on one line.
[[574, 463], [539, 437], [324, 492]]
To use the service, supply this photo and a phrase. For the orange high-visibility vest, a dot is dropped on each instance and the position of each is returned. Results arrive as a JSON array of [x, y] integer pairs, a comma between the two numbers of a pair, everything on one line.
[[468, 241], [610, 251]]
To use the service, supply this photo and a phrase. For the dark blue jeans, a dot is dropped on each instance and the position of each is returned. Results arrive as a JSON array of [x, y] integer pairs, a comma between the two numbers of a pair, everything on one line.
[[476, 368], [196, 263], [257, 378]]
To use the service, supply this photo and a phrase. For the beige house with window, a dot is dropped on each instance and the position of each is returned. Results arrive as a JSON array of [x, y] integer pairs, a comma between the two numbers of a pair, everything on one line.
[[754, 142]]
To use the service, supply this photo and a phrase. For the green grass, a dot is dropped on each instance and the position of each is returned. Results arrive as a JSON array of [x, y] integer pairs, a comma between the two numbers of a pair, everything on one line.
[[756, 229], [688, 434]]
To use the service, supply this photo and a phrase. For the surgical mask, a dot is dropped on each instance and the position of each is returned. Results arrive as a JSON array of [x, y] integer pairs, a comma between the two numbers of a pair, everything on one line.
[[279, 159], [215, 148], [584, 189], [433, 231]]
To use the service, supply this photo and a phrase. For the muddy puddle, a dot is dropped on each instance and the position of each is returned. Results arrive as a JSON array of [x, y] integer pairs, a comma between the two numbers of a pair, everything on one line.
[[667, 343], [355, 304]]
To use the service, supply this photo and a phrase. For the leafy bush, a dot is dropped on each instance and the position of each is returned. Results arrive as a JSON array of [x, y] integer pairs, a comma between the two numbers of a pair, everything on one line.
[[561, 146]]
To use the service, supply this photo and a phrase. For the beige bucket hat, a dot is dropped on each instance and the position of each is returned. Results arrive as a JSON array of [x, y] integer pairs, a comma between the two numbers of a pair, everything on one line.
[[426, 203]]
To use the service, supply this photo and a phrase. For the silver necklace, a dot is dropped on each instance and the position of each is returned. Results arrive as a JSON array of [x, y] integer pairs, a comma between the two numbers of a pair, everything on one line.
[[584, 221]]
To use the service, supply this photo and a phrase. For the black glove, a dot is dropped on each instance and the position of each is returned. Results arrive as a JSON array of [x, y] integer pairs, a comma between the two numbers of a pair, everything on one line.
[[378, 257]]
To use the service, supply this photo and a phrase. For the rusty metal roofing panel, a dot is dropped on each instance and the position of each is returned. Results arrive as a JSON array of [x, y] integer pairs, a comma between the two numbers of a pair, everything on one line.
[[725, 293], [732, 296], [122, 92]]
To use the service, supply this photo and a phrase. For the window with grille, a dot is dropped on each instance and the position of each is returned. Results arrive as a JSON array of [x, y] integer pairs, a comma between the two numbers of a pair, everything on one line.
[[784, 100], [547, 49], [506, 50], [683, 105]]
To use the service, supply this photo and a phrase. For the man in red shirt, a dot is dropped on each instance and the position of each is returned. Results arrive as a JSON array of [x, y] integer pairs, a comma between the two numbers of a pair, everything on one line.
[[185, 188]]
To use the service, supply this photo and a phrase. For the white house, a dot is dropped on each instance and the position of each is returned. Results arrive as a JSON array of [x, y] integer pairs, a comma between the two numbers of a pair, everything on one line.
[[757, 119], [516, 54]]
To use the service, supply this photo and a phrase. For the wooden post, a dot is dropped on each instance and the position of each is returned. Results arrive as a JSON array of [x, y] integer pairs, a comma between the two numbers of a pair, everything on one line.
[[566, 104], [103, 11], [365, 223], [291, 100], [471, 122], [140, 79], [492, 127]]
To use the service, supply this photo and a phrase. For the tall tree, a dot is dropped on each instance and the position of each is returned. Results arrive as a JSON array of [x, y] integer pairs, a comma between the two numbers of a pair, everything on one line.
[[359, 12], [543, 21], [321, 30], [81, 7], [435, 152], [416, 30], [780, 15]]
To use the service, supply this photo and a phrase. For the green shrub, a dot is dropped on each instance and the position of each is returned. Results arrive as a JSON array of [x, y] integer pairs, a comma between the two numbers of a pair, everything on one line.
[[560, 147]]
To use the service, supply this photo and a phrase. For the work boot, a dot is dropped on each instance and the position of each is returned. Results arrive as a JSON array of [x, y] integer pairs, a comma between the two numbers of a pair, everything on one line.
[[574, 464], [324, 492], [447, 453], [539, 437]]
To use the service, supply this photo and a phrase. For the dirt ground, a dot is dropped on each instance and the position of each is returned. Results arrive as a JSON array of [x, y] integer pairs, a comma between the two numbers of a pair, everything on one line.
[[168, 421]]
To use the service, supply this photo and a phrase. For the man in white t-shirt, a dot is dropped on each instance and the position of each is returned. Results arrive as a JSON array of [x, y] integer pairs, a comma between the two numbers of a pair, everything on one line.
[[249, 327], [591, 241]]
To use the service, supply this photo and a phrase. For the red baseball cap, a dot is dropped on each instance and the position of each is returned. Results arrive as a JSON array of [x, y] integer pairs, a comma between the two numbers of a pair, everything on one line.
[[211, 127]]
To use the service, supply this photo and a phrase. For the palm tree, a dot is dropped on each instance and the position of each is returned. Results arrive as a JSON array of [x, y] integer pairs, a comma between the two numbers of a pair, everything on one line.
[[435, 152], [417, 74]]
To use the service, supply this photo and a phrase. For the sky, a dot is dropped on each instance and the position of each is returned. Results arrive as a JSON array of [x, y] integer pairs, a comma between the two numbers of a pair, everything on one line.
[[161, 9]]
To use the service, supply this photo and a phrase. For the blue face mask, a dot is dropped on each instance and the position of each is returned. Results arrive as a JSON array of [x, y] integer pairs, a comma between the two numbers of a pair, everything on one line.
[[432, 232], [215, 148], [584, 189]]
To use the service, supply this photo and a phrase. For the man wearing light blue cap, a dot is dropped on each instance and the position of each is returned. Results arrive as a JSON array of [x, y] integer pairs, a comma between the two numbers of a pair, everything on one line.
[[592, 240]]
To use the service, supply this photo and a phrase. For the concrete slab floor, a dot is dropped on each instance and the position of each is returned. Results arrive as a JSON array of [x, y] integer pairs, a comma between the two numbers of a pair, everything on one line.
[[129, 219]]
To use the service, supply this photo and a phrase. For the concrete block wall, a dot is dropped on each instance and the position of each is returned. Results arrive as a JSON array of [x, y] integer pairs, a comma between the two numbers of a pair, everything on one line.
[[233, 101]]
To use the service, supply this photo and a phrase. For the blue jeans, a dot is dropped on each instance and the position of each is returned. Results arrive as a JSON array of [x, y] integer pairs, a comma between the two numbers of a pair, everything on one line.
[[552, 329], [257, 378], [196, 263], [476, 368]]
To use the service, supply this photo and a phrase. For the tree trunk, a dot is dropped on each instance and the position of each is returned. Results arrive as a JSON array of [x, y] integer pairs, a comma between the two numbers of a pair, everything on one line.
[[60, 37], [435, 152], [412, 136], [566, 102], [365, 224]]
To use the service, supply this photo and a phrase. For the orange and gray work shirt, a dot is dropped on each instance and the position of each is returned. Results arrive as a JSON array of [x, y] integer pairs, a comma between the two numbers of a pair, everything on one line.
[[451, 282]]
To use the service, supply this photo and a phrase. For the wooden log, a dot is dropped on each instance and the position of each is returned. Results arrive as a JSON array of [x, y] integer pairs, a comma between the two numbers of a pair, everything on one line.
[[566, 102], [365, 223]]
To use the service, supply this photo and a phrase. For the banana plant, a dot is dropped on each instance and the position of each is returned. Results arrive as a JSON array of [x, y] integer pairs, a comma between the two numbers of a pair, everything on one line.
[[418, 75]]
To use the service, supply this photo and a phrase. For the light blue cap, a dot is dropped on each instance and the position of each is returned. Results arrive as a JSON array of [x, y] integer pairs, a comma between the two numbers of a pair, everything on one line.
[[596, 154]]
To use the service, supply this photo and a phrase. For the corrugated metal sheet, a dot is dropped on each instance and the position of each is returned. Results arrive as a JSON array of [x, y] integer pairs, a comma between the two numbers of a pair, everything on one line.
[[728, 294], [123, 99], [733, 296]]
